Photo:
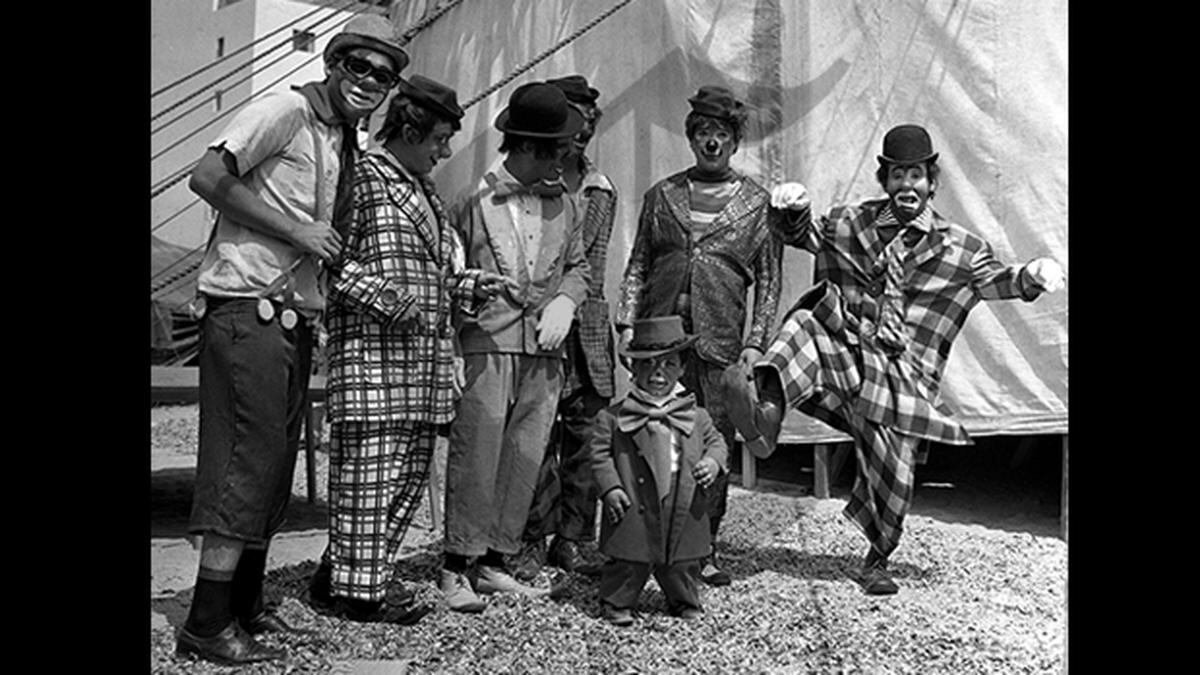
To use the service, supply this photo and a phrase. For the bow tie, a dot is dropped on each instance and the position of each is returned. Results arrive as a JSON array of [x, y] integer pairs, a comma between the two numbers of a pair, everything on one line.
[[680, 414], [538, 189]]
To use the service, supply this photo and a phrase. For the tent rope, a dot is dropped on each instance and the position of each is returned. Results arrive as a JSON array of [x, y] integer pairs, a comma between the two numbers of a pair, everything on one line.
[[546, 54]]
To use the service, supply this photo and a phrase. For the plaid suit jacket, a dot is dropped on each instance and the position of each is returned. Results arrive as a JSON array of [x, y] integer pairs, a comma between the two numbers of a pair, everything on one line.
[[379, 370], [718, 265], [593, 333], [946, 273]]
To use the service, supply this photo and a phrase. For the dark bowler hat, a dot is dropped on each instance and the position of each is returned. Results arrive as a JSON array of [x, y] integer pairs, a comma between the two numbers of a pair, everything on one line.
[[539, 110], [372, 32], [907, 144], [433, 95], [657, 336], [576, 88], [716, 102]]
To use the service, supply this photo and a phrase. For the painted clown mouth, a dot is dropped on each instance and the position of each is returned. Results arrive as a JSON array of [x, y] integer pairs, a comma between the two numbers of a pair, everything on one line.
[[908, 200]]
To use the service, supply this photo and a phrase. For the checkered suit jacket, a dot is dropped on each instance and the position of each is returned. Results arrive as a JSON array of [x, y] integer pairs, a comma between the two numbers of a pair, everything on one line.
[[594, 332], [734, 252], [380, 370], [946, 273]]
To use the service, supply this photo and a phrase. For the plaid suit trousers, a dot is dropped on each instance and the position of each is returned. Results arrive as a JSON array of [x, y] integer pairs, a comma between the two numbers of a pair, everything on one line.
[[376, 475]]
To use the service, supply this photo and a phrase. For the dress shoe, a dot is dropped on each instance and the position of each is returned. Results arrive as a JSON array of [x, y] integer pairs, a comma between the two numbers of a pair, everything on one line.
[[617, 616], [757, 419], [690, 613], [267, 621], [496, 580], [231, 647], [713, 575], [877, 581], [565, 555], [399, 595], [459, 595], [361, 611], [526, 564]]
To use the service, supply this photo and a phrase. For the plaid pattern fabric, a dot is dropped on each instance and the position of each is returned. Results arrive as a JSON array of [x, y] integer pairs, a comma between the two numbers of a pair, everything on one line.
[[594, 333], [833, 368], [714, 268], [379, 370], [376, 476]]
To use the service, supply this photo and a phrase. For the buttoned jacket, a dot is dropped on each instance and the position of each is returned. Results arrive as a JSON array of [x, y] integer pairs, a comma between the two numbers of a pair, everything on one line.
[[945, 274], [508, 322], [396, 255], [654, 529], [716, 267]]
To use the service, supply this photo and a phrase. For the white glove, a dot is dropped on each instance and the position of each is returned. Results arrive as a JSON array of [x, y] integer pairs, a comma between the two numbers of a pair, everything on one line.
[[555, 322], [790, 196], [1047, 273]]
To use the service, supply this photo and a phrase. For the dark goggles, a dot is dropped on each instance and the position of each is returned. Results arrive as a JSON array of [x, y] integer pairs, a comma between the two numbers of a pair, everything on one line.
[[360, 69]]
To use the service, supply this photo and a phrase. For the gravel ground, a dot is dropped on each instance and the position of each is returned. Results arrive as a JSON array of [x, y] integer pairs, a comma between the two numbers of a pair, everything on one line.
[[972, 600]]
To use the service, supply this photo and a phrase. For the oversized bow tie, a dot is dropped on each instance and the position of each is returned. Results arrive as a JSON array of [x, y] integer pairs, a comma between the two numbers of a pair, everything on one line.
[[680, 414], [538, 189]]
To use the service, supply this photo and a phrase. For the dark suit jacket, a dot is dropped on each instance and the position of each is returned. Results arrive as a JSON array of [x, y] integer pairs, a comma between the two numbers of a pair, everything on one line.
[[653, 530]]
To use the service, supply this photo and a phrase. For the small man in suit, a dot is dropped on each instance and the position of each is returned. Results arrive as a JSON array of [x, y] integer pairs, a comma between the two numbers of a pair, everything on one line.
[[655, 454], [864, 349]]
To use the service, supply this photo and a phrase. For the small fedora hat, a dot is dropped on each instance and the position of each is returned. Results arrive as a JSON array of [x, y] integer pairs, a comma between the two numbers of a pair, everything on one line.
[[372, 32], [907, 144], [433, 95], [576, 88], [717, 102], [657, 336], [539, 110]]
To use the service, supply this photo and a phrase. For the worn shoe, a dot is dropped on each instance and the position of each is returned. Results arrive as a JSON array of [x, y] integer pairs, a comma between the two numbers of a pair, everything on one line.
[[378, 612], [877, 581], [690, 614], [267, 621], [713, 575], [231, 647], [526, 564], [495, 580], [757, 419], [459, 595], [617, 616]]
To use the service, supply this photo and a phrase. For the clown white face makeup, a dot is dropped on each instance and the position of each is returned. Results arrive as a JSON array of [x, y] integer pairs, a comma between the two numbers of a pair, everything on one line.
[[713, 143], [355, 96], [909, 187], [657, 376]]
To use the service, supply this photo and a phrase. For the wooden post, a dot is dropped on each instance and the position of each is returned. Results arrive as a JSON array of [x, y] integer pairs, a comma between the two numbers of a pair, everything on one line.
[[311, 434], [821, 470], [749, 469]]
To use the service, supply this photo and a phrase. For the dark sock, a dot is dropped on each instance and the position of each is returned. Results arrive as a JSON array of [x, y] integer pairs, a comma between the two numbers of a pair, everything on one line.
[[248, 583], [492, 558], [455, 563], [212, 604]]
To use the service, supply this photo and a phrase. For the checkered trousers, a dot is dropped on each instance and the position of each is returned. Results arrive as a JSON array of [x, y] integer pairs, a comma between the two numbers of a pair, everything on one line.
[[376, 476]]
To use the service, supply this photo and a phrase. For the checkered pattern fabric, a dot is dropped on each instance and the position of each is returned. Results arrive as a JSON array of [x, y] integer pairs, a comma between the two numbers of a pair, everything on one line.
[[376, 476], [831, 364], [380, 369], [598, 202]]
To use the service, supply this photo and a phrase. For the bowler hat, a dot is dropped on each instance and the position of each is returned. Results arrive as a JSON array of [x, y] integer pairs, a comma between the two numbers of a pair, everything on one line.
[[576, 88], [433, 95], [715, 101], [907, 144], [539, 110], [372, 32], [657, 336]]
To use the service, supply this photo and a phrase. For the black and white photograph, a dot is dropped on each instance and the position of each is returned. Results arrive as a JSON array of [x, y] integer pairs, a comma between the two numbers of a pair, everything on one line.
[[609, 336]]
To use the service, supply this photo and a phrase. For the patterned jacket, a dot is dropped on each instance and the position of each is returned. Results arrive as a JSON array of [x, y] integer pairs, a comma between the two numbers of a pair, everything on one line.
[[508, 322], [715, 268], [381, 371], [946, 273], [647, 533], [594, 333]]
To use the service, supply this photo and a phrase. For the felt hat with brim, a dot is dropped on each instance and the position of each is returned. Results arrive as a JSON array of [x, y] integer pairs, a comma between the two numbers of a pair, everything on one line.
[[369, 31], [907, 144], [433, 95], [577, 89], [657, 336], [539, 110], [717, 102]]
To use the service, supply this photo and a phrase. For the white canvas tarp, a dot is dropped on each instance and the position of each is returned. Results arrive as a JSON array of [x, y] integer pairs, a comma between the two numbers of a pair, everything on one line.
[[825, 79]]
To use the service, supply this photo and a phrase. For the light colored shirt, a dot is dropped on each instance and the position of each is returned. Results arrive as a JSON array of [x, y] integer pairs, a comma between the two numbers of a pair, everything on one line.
[[659, 402], [526, 212], [290, 160]]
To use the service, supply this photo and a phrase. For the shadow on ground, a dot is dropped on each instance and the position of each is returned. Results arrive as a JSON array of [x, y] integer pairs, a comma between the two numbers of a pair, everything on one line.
[[171, 504]]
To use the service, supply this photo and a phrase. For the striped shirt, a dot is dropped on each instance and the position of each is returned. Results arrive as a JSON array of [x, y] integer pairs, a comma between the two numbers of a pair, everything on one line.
[[707, 200]]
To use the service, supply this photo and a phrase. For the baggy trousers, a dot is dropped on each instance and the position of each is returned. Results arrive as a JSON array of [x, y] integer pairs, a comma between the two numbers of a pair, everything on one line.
[[253, 387], [377, 472], [497, 442], [703, 378], [622, 581]]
